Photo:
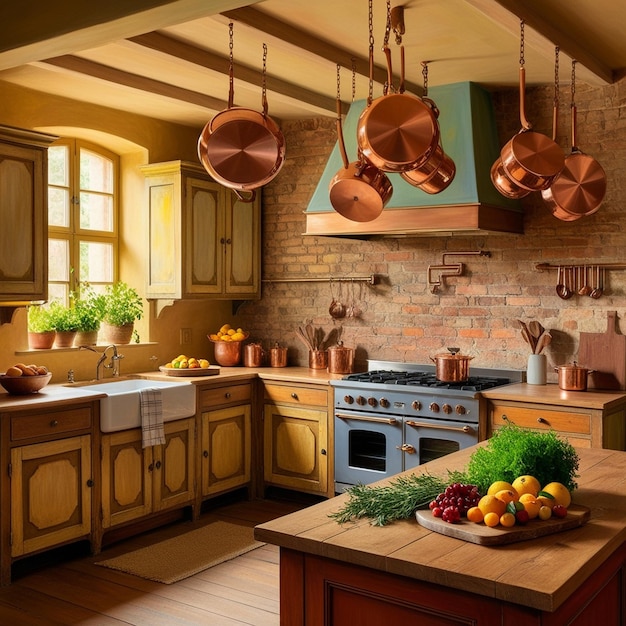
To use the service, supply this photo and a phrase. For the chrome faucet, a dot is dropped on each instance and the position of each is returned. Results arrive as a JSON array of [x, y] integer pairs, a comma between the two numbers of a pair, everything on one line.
[[115, 361]]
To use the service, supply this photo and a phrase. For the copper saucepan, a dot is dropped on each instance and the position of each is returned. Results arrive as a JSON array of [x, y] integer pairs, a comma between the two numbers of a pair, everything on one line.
[[241, 148], [572, 377], [451, 367], [397, 131]]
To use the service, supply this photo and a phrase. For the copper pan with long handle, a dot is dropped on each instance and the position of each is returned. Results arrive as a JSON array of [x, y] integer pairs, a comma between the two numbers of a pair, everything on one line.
[[241, 148], [580, 188]]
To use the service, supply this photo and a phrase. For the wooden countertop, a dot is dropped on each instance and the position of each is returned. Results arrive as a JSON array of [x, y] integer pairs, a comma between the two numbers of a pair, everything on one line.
[[539, 573], [51, 395], [552, 394]]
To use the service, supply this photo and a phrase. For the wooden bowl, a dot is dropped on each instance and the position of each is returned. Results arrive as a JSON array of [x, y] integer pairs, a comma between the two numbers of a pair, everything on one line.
[[23, 385]]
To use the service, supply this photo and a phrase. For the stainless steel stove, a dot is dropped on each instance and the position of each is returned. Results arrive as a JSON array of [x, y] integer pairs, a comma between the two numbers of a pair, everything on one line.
[[396, 416]]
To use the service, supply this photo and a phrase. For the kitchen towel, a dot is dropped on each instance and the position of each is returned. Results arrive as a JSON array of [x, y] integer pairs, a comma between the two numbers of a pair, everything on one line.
[[151, 406]]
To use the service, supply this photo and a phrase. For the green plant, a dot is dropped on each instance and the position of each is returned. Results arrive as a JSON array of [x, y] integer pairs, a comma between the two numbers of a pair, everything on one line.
[[62, 318], [123, 305], [39, 320], [89, 307]]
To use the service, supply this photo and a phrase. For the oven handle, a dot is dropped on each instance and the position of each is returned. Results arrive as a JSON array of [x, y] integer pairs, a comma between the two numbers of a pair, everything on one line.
[[465, 429], [364, 418]]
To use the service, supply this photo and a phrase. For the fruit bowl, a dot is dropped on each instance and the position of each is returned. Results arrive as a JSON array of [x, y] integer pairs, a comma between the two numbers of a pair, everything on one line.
[[23, 385], [228, 353]]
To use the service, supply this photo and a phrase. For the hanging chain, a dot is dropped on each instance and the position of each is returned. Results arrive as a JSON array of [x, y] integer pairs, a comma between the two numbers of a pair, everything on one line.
[[371, 51], [573, 81], [353, 78], [264, 79], [425, 76], [521, 43], [556, 76], [338, 82], [387, 25], [230, 52]]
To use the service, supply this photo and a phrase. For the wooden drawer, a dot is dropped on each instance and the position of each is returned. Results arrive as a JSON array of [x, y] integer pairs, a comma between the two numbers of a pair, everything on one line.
[[541, 419], [216, 396], [296, 395], [28, 426]]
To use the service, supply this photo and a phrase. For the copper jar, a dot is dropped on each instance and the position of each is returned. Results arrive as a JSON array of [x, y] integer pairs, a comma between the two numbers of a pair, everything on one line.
[[278, 356], [340, 359]]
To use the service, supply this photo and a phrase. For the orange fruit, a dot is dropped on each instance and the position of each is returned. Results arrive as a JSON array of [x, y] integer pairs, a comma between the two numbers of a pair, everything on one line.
[[492, 519], [499, 485], [507, 495], [474, 514], [531, 504], [559, 492], [491, 504], [507, 520], [526, 484]]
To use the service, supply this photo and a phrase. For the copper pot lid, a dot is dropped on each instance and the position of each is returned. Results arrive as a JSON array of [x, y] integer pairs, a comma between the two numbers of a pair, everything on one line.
[[453, 354], [536, 153], [573, 367]]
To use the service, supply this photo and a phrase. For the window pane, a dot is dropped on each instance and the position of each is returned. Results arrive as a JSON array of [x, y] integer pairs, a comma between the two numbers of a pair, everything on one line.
[[58, 166], [58, 207], [60, 292], [58, 191], [96, 212], [96, 262], [58, 260], [96, 172]]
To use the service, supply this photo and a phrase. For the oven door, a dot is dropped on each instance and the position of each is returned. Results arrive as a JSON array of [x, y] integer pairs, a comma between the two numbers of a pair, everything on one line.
[[367, 448], [429, 439]]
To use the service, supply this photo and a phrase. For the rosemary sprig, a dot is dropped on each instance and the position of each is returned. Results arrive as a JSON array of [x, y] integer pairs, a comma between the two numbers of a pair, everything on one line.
[[399, 499]]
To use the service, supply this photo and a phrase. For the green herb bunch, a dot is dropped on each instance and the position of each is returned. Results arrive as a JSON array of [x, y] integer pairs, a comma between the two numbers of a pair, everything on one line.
[[513, 451]]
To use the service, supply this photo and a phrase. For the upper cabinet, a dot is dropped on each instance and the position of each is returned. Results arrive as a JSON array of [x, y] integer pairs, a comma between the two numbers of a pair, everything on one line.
[[24, 214], [203, 241]]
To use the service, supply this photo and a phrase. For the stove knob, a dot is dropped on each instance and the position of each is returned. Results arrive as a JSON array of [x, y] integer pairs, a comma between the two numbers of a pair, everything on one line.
[[447, 409], [372, 401], [384, 403], [348, 399], [361, 401], [434, 407], [416, 404], [460, 409]]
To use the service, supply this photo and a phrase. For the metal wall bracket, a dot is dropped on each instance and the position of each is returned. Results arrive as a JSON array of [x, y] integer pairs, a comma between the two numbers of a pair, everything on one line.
[[449, 269]]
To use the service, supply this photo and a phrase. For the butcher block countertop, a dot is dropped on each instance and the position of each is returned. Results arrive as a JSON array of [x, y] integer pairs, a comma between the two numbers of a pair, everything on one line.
[[552, 394], [539, 573]]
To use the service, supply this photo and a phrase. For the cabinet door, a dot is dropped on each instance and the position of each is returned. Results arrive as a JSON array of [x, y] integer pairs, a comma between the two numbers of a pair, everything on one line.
[[126, 478], [23, 207], [50, 494], [173, 466], [226, 449], [295, 447]]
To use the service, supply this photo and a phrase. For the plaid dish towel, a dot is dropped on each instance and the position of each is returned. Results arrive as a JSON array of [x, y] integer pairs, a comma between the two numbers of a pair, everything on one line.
[[151, 404]]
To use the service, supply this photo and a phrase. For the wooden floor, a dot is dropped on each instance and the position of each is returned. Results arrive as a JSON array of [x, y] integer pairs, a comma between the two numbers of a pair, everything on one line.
[[72, 590]]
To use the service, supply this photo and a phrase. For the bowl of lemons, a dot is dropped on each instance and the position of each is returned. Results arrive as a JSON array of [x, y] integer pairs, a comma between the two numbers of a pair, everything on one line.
[[227, 342]]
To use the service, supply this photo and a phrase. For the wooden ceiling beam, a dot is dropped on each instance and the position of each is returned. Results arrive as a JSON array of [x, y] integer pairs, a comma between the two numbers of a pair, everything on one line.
[[218, 63], [543, 36], [303, 40]]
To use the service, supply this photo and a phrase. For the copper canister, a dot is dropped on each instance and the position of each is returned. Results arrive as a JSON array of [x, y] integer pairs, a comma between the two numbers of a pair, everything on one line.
[[318, 359], [340, 359], [278, 356], [253, 355]]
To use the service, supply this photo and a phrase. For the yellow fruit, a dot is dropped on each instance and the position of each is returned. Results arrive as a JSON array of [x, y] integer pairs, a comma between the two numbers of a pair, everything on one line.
[[238, 336], [507, 495], [225, 328], [560, 494], [181, 357], [491, 504], [231, 331], [492, 519], [169, 365], [474, 514], [184, 364], [203, 363], [499, 485], [531, 504], [214, 337], [526, 484], [507, 520], [545, 512]]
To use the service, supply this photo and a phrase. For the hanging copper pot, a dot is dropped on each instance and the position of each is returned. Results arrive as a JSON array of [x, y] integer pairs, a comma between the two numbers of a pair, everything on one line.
[[504, 184], [241, 148]]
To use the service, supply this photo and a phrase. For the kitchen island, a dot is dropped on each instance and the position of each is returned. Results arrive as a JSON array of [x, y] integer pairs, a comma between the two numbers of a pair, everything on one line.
[[357, 573]]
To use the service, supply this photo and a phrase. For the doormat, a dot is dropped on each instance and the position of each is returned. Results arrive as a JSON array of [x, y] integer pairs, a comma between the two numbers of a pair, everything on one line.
[[185, 555]]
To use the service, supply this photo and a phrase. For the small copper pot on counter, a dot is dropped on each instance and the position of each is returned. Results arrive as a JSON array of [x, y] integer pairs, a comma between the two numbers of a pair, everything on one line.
[[253, 355], [340, 359], [451, 367], [278, 356], [572, 377]]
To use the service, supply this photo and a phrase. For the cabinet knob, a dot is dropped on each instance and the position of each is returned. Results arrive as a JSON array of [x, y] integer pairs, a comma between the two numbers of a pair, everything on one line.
[[229, 241], [505, 418], [158, 464], [151, 467], [294, 395], [323, 451], [227, 395], [222, 240], [90, 483], [205, 454], [54, 423]]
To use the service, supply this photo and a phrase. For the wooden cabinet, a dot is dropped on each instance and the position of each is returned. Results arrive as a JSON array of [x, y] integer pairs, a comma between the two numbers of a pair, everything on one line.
[[296, 437], [226, 436], [139, 481], [24, 214], [203, 242], [47, 487]]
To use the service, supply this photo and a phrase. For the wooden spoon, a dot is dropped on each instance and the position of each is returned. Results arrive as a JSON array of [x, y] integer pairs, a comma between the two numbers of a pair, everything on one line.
[[536, 329]]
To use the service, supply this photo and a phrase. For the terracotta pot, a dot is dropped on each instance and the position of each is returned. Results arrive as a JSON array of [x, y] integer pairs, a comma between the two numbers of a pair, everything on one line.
[[64, 338], [41, 341], [451, 367]]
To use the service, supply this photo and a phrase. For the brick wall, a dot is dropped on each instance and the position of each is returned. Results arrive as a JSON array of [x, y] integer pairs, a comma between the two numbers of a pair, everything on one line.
[[401, 319]]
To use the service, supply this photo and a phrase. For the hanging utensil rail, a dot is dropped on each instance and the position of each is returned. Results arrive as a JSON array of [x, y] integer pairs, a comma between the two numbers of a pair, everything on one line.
[[540, 267], [372, 279]]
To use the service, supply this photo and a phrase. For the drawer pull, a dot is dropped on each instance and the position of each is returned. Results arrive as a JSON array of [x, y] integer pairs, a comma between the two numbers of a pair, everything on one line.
[[322, 451], [227, 395], [294, 395], [54, 423], [205, 454], [542, 420], [505, 418], [90, 483]]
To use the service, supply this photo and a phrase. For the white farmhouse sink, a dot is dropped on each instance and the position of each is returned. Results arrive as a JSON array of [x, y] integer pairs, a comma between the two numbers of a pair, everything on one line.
[[120, 410]]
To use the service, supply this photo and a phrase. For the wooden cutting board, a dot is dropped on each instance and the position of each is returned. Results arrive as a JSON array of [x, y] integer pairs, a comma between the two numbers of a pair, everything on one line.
[[605, 354], [577, 515]]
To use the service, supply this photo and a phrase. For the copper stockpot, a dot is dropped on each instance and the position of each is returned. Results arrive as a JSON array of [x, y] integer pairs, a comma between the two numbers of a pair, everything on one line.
[[572, 377], [451, 367], [340, 359]]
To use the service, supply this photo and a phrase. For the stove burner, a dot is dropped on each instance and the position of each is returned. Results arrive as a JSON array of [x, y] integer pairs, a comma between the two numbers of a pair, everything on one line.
[[426, 379]]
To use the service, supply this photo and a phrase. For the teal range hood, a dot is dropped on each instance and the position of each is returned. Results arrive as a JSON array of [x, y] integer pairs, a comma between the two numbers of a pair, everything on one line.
[[470, 204]]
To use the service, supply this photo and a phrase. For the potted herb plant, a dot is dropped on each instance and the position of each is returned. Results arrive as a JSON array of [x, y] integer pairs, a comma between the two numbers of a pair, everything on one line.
[[41, 332], [65, 323], [89, 308], [123, 305]]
